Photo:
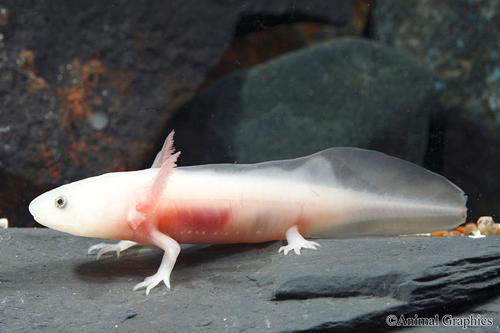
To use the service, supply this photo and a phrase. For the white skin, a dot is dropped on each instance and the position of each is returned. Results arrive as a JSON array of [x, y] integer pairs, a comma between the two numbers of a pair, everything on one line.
[[93, 208], [321, 195]]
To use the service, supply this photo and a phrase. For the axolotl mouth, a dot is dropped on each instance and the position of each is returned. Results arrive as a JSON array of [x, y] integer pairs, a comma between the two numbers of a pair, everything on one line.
[[33, 208]]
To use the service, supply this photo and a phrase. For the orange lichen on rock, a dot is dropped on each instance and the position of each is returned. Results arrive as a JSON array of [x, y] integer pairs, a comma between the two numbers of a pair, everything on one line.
[[81, 89], [92, 70], [77, 152], [81, 96], [77, 98], [74, 99], [26, 61], [47, 157]]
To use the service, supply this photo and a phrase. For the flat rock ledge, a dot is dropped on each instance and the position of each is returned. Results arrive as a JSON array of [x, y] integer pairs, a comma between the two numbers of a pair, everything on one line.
[[49, 283]]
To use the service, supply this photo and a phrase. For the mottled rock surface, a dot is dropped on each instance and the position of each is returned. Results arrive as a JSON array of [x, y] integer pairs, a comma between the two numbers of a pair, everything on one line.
[[87, 86], [459, 41], [48, 283], [346, 92]]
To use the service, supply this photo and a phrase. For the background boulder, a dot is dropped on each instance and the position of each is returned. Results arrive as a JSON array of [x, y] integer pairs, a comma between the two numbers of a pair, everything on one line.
[[347, 92]]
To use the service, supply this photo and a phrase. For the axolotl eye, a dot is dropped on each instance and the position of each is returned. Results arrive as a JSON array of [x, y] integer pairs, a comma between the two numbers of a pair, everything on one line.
[[61, 202]]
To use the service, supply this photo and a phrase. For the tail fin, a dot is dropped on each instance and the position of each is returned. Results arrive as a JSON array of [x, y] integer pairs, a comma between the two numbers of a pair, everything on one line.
[[412, 199], [405, 197]]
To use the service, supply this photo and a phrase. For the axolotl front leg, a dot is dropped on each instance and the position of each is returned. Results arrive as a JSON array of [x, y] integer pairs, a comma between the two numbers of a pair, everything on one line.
[[142, 220], [172, 250], [167, 244]]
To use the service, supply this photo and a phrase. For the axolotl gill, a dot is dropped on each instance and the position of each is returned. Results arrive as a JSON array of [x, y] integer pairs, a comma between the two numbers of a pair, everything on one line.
[[338, 192]]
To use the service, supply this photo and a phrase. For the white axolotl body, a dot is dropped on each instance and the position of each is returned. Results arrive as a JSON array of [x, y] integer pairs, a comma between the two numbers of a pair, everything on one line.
[[339, 192]]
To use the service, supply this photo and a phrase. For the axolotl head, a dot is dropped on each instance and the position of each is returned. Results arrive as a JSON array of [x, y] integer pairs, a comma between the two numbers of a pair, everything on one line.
[[92, 207]]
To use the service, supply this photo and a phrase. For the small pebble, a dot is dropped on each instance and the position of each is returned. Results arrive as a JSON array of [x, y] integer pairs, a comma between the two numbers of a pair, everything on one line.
[[487, 226], [98, 121]]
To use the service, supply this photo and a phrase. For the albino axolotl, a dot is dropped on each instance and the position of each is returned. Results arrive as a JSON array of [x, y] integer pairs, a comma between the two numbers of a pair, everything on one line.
[[338, 192]]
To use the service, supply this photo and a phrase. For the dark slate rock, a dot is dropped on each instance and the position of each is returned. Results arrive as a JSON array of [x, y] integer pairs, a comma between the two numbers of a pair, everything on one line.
[[347, 92], [48, 283], [459, 41], [87, 86]]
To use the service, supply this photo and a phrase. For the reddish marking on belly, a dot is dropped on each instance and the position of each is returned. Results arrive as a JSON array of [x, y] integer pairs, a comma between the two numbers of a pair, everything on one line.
[[202, 219]]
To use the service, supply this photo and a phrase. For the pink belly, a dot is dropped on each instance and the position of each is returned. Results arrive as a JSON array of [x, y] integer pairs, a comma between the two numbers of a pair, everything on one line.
[[224, 221]]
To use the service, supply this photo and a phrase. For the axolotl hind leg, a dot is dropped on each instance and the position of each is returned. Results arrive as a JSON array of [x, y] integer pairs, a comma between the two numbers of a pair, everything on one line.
[[296, 242], [103, 248]]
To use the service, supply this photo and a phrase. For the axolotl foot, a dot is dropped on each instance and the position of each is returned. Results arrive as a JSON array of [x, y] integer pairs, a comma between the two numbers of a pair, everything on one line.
[[152, 281], [296, 242], [172, 250], [103, 248]]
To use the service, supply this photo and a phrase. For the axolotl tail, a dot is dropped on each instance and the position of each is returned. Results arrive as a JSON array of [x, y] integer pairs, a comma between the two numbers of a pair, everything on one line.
[[382, 195], [368, 192]]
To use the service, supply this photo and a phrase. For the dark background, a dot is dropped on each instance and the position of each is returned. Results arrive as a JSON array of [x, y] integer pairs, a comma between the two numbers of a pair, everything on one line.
[[88, 87]]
